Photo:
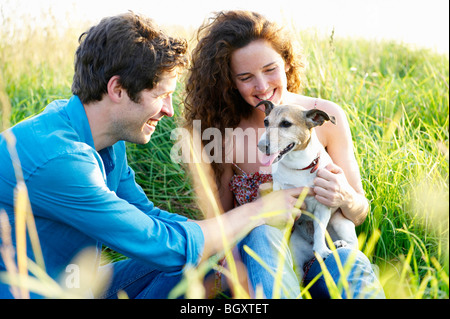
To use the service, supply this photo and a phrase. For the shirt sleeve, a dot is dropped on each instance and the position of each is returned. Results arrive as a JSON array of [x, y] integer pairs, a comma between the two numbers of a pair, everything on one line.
[[128, 189], [72, 189]]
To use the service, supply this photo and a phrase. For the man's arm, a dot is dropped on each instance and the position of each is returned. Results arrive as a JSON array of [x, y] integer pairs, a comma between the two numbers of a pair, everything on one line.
[[274, 209], [133, 193], [80, 199]]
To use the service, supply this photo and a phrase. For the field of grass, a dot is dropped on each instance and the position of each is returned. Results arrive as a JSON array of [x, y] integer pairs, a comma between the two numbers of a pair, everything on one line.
[[397, 102]]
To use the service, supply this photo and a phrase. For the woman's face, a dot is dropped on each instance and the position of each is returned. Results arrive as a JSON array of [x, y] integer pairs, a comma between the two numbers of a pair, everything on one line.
[[259, 73]]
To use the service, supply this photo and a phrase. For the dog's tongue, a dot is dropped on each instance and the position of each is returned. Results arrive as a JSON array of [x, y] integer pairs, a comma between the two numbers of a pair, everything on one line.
[[267, 160]]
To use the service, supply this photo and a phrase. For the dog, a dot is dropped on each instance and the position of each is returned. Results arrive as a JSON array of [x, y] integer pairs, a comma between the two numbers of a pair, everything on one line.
[[291, 146]]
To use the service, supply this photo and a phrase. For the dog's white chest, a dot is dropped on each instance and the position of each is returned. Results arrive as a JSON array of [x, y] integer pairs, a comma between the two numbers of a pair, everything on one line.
[[287, 178], [296, 168]]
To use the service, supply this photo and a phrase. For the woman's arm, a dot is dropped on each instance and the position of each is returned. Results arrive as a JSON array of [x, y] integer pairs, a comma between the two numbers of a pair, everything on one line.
[[339, 184], [225, 194]]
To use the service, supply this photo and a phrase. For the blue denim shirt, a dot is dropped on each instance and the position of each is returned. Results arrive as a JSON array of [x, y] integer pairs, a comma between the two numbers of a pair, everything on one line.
[[81, 197]]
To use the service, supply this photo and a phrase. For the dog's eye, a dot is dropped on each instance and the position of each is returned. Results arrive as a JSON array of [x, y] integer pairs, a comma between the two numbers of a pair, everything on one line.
[[285, 124], [266, 123]]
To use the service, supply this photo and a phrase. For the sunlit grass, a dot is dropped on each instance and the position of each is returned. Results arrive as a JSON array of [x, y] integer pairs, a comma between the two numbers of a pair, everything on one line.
[[396, 99]]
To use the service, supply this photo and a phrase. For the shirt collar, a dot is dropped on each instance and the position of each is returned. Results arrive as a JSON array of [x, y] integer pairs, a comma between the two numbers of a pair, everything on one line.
[[80, 123], [78, 118]]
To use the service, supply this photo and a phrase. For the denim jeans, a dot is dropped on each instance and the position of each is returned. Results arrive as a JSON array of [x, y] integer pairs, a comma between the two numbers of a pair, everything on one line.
[[266, 242], [141, 281], [138, 280]]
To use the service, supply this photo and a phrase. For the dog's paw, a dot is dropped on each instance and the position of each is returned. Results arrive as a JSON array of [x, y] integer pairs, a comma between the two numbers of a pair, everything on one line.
[[340, 243], [323, 252]]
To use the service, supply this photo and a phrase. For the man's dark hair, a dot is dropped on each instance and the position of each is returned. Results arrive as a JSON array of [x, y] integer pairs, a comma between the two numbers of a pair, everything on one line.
[[127, 45]]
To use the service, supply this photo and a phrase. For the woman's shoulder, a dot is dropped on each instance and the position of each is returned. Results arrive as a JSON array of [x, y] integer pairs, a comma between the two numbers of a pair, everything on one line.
[[310, 102], [328, 132]]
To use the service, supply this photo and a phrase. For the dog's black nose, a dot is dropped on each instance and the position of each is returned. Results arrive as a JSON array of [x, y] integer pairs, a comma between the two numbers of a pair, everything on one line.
[[264, 146]]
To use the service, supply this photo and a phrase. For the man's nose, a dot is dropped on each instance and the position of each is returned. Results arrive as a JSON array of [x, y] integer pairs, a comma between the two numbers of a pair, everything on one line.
[[167, 108]]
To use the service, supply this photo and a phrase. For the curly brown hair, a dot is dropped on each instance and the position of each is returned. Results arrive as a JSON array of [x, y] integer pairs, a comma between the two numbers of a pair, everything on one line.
[[128, 45], [211, 95]]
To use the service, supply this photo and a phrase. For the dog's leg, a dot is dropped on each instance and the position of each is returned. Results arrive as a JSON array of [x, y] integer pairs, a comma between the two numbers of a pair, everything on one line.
[[343, 229], [301, 249], [322, 216]]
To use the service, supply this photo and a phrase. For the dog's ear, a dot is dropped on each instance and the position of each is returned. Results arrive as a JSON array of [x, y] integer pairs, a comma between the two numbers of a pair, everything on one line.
[[268, 104], [317, 117]]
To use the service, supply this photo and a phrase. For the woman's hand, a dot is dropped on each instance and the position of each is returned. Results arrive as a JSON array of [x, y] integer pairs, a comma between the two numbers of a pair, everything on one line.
[[332, 188]]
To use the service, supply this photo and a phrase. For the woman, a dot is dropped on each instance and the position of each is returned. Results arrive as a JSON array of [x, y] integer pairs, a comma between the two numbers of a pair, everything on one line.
[[240, 60]]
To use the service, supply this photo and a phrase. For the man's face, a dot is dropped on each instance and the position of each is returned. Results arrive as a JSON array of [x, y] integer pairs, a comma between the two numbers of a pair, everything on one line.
[[138, 121]]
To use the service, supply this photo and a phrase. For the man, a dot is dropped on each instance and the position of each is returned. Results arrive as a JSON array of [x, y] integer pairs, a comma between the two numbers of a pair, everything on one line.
[[82, 191]]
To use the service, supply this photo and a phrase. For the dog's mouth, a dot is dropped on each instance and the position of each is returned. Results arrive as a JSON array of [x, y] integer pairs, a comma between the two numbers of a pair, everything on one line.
[[270, 159], [284, 151]]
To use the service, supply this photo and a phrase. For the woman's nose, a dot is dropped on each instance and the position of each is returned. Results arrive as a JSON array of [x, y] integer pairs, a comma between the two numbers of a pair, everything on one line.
[[261, 84]]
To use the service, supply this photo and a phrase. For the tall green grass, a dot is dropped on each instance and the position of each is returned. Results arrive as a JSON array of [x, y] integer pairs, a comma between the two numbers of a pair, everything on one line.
[[396, 99]]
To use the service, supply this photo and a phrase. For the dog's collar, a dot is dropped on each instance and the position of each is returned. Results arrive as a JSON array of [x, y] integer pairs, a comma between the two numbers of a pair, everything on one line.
[[314, 164]]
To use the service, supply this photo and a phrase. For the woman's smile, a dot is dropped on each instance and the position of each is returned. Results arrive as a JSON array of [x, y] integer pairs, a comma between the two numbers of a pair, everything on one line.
[[267, 96]]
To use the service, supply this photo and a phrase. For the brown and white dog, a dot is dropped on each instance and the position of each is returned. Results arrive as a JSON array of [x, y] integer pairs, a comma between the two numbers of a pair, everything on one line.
[[291, 146]]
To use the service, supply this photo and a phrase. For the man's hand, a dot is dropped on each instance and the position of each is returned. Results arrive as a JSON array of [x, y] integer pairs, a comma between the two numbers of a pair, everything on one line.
[[282, 207]]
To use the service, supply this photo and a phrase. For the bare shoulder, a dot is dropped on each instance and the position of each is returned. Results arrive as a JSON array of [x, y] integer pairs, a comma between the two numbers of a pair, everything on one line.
[[331, 108], [309, 102], [327, 106], [332, 135]]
